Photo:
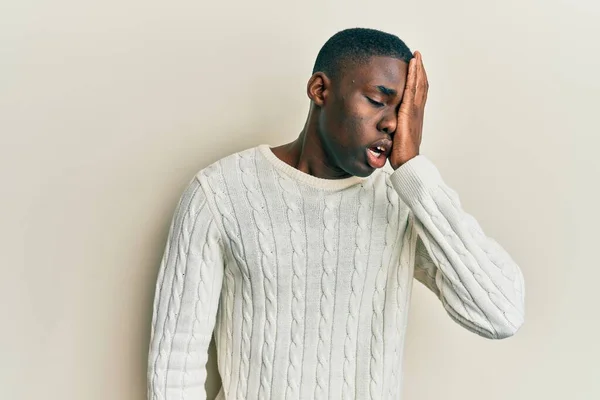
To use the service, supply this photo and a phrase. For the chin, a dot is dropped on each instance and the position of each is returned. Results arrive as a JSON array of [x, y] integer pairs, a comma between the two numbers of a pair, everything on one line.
[[361, 170], [355, 164]]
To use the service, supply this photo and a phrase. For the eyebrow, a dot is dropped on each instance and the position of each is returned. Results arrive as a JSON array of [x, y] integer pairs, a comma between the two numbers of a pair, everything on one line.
[[387, 91]]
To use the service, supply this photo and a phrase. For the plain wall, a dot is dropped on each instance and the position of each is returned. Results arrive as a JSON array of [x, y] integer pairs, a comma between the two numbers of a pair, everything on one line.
[[108, 108]]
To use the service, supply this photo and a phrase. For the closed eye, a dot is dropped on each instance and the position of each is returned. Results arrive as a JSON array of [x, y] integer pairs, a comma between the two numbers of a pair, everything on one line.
[[375, 103]]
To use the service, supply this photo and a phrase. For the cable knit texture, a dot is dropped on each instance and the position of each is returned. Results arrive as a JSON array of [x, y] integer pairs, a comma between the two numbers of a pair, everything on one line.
[[305, 283]]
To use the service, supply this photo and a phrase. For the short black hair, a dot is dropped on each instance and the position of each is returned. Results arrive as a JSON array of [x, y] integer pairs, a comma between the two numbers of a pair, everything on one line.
[[356, 45]]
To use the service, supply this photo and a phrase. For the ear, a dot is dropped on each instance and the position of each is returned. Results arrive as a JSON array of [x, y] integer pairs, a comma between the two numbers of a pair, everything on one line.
[[318, 88]]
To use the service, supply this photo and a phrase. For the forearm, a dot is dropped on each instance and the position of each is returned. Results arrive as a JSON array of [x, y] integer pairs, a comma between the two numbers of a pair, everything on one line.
[[479, 284]]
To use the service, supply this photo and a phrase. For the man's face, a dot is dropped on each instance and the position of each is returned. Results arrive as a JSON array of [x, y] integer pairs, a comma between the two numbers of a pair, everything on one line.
[[360, 114]]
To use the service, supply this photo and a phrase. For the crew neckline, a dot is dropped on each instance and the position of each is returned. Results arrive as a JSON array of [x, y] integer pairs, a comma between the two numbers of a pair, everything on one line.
[[303, 177]]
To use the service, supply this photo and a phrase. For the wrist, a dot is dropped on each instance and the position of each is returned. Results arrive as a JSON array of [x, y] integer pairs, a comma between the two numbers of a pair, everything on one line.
[[401, 161]]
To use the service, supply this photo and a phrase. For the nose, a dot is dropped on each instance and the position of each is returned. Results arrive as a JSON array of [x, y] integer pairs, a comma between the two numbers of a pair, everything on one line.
[[388, 122]]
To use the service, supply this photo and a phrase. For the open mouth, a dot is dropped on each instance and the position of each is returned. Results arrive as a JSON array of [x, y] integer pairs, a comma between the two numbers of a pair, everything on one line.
[[377, 156], [378, 153]]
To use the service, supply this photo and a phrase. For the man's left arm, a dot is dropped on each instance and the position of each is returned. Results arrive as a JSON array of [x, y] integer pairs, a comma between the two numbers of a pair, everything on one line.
[[479, 284], [477, 281]]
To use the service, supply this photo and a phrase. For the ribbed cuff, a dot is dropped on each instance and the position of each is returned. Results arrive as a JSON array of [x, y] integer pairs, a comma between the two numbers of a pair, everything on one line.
[[415, 179]]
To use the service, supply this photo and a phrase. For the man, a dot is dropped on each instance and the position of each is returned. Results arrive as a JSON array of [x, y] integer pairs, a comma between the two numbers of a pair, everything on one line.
[[300, 258]]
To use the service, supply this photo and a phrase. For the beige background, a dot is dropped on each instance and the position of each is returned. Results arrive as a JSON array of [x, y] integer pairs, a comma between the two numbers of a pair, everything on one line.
[[107, 108]]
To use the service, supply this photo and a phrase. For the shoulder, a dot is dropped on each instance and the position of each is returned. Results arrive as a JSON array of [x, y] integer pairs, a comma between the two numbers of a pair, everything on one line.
[[216, 179], [227, 165]]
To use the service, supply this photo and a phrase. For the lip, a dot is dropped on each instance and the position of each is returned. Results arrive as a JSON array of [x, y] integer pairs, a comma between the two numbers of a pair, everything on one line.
[[378, 161], [385, 143]]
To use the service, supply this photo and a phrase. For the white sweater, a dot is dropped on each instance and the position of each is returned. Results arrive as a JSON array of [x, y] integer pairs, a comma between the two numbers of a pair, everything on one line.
[[306, 282]]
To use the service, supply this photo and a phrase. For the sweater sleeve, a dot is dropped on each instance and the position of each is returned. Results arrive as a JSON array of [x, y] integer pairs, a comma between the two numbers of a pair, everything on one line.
[[186, 300], [478, 283]]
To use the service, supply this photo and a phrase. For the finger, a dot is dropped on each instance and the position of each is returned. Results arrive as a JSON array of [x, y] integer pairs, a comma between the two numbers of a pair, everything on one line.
[[423, 73], [422, 83], [411, 82]]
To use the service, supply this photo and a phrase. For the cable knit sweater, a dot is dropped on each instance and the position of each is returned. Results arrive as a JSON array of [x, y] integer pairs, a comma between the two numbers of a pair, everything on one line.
[[306, 282]]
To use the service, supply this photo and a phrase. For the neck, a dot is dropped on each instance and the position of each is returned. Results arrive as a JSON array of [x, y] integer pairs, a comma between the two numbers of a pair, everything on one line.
[[308, 154]]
